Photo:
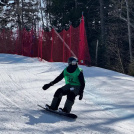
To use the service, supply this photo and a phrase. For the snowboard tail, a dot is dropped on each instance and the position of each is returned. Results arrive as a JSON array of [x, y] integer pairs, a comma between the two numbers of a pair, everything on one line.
[[70, 115]]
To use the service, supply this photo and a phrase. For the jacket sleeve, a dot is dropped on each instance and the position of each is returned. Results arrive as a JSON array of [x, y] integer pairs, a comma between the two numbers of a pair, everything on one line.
[[58, 78], [82, 81]]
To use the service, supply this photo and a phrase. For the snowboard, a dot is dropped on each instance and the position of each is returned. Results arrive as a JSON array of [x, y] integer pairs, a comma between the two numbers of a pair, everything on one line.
[[70, 115]]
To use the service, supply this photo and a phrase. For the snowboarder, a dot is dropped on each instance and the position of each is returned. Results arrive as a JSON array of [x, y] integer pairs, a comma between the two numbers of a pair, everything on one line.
[[74, 85]]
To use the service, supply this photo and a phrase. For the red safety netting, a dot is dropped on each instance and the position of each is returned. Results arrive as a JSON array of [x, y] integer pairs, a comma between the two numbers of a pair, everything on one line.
[[83, 45], [50, 46]]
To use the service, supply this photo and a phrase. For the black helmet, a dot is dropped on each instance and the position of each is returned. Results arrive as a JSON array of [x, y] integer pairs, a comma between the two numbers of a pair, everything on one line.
[[72, 61]]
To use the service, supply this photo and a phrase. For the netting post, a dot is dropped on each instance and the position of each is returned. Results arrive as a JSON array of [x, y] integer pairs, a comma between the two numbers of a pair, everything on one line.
[[63, 45], [30, 43], [40, 44], [81, 43], [51, 58], [22, 40], [70, 39], [38, 47]]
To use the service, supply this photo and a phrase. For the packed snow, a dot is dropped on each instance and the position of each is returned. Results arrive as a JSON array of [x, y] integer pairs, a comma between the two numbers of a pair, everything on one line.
[[107, 106]]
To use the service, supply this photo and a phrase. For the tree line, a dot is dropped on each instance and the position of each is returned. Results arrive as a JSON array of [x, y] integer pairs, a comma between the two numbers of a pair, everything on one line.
[[109, 25]]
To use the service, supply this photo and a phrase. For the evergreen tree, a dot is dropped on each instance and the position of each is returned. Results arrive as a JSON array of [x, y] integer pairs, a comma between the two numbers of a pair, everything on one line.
[[20, 14]]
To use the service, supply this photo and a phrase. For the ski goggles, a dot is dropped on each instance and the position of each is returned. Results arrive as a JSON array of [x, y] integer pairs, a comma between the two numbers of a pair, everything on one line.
[[74, 62]]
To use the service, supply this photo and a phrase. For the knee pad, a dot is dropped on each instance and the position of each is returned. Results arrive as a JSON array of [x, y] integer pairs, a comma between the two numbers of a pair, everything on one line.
[[58, 93], [71, 96]]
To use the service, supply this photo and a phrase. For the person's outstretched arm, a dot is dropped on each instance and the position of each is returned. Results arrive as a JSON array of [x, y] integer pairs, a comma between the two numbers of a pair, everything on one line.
[[57, 79]]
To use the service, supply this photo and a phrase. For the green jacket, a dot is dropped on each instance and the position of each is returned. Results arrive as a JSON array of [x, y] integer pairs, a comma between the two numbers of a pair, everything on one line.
[[72, 78]]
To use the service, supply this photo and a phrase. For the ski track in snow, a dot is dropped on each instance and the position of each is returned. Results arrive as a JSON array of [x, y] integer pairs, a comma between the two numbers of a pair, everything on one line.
[[107, 106]]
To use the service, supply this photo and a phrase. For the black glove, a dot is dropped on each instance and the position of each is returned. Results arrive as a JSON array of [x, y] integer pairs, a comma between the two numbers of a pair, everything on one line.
[[81, 96], [46, 86]]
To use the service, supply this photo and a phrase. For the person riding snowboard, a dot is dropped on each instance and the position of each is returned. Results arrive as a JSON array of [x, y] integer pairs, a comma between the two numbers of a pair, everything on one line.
[[74, 85]]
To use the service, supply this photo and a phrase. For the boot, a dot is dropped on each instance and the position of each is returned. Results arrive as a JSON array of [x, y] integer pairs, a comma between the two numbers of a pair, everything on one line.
[[68, 106], [55, 103]]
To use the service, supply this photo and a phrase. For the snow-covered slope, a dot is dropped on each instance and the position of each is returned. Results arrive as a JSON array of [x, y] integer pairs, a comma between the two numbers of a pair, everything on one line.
[[107, 106]]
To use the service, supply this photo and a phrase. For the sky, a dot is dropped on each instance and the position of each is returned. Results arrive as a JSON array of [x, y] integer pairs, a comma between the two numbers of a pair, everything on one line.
[[106, 108]]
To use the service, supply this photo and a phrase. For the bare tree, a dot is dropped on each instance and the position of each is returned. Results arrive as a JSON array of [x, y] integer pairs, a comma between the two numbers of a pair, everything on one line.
[[102, 21], [18, 12], [42, 18], [129, 30]]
